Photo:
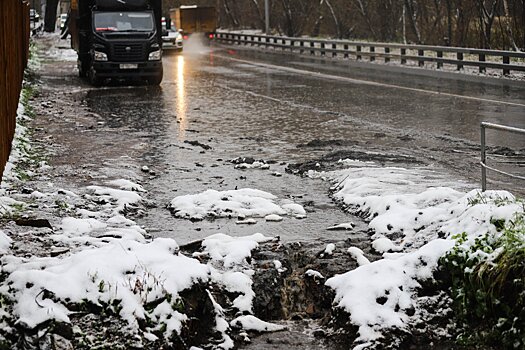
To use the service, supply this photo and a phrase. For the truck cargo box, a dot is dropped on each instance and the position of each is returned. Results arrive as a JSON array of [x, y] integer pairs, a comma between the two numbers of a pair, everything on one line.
[[194, 19]]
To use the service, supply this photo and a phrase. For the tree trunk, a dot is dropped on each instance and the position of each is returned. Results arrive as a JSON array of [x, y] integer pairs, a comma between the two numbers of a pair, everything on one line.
[[50, 18], [412, 16], [336, 21], [260, 15], [449, 40], [508, 26], [364, 12], [230, 14]]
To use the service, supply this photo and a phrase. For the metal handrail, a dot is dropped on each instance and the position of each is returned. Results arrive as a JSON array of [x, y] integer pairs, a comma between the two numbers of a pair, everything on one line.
[[357, 49], [484, 166]]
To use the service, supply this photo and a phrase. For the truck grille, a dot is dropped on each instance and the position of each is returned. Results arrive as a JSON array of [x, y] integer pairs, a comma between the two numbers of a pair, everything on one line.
[[128, 52]]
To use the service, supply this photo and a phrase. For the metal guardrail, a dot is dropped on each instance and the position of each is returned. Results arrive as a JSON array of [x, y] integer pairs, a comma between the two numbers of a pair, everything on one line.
[[483, 162], [386, 51]]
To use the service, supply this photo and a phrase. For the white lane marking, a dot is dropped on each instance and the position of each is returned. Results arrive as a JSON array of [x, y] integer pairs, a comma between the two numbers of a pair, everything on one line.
[[371, 83]]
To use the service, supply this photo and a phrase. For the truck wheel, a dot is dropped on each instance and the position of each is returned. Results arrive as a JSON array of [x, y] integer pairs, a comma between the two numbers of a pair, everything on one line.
[[83, 68], [94, 79], [157, 79]]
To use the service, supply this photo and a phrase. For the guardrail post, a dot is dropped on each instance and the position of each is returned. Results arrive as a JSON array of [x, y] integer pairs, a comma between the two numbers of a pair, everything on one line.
[[275, 42], [334, 53], [459, 57], [292, 45], [482, 68], [358, 51], [440, 56], [403, 54], [267, 42], [323, 53], [346, 50], [283, 42], [387, 52], [372, 50], [312, 52], [421, 61], [506, 60], [301, 44], [483, 160]]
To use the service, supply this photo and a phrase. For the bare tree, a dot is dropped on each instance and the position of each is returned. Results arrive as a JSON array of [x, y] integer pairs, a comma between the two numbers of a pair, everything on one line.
[[412, 16], [487, 13], [508, 26], [260, 14], [230, 14]]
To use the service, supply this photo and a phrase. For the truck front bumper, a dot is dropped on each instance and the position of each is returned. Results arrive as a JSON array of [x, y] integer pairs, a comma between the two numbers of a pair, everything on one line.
[[128, 70]]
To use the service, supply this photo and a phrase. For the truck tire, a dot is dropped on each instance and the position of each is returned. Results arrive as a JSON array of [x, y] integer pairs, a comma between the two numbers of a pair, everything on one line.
[[157, 79], [94, 79], [83, 68]]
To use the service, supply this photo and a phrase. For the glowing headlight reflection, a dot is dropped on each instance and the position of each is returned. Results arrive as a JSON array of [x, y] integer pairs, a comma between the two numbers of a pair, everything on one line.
[[181, 97]]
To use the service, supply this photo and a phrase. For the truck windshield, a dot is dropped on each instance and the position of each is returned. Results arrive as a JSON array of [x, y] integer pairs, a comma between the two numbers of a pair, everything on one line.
[[123, 21]]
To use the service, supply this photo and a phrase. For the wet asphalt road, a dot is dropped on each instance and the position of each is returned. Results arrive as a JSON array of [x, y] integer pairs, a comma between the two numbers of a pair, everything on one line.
[[249, 103]]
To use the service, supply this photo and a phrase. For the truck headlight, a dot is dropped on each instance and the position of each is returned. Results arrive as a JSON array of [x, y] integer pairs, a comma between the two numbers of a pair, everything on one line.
[[155, 55], [100, 56]]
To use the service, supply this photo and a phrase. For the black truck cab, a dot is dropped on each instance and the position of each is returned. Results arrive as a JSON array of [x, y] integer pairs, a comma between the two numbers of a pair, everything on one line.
[[117, 39]]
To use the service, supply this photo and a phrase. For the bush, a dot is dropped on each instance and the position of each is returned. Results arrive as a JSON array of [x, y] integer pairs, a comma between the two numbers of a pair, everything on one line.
[[488, 285]]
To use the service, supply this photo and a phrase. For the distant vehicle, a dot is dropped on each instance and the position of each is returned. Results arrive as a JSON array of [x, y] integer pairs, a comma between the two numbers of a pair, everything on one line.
[[195, 19], [171, 37], [117, 39], [33, 15], [62, 21]]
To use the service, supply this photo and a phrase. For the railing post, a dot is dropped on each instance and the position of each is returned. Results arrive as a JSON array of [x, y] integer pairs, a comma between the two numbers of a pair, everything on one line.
[[323, 53], [346, 50], [403, 54], [358, 51], [439, 56], [421, 61], [292, 45], [482, 68], [372, 50], [283, 42], [506, 60], [483, 160], [301, 44], [267, 42], [387, 52], [312, 52], [459, 57], [274, 43], [334, 47]]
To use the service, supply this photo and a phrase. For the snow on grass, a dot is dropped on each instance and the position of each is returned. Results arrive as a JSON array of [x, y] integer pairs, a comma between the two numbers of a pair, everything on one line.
[[229, 251], [242, 203], [126, 271], [381, 294], [358, 255], [383, 245], [5, 242], [230, 267], [406, 215]]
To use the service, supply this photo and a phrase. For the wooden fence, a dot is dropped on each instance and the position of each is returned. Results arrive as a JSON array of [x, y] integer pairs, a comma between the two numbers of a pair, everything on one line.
[[14, 53], [458, 57]]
